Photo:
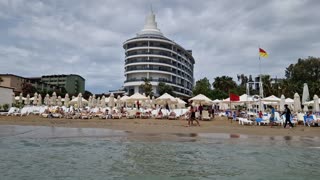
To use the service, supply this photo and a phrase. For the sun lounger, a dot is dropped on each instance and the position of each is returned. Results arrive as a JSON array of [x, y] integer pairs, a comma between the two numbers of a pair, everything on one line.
[[310, 121], [172, 116], [145, 115], [131, 114], [205, 115], [76, 116], [86, 116], [116, 115], [244, 121], [24, 111]]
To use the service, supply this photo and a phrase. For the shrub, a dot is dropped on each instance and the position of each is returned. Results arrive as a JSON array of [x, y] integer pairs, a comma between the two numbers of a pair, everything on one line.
[[5, 107]]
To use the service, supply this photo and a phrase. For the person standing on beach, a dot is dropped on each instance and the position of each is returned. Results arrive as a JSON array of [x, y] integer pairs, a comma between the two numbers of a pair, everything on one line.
[[272, 116], [287, 112], [167, 107], [200, 108], [192, 117]]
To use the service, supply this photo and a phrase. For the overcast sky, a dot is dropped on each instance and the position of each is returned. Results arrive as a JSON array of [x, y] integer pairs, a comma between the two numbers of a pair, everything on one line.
[[43, 37]]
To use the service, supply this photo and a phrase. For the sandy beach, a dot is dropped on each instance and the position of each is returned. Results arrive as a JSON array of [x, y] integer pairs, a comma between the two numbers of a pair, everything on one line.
[[217, 125]]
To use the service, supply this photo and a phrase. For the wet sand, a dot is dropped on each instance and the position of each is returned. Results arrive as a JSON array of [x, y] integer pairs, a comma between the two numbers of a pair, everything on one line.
[[217, 125]]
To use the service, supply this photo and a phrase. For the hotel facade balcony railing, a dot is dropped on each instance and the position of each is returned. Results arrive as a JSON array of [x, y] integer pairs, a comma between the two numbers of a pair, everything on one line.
[[187, 67], [147, 68], [174, 71], [155, 80]]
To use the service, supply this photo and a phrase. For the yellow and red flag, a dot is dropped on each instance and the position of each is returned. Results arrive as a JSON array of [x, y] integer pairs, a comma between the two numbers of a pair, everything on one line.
[[263, 53]]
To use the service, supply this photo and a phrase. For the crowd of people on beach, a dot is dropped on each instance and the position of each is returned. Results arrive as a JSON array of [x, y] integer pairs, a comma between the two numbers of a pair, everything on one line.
[[192, 114]]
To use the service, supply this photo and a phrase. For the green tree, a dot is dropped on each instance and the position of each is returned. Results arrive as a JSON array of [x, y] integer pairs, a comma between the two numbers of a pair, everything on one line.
[[27, 88], [304, 71], [224, 83], [218, 94], [147, 87], [203, 86], [266, 84], [1, 80], [164, 88], [86, 94]]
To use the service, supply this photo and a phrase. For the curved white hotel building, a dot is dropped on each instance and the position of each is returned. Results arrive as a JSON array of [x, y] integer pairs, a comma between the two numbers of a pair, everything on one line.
[[152, 56]]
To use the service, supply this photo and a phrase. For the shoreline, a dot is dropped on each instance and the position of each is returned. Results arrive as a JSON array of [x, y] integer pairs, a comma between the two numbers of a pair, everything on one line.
[[163, 126]]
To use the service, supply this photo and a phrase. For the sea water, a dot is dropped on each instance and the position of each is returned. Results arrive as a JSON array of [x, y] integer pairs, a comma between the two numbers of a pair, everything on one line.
[[30, 152]]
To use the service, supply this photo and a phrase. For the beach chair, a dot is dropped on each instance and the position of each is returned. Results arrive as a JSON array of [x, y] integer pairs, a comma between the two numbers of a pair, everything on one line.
[[205, 115], [11, 110], [116, 115], [145, 115], [244, 121], [24, 111], [76, 116], [17, 112], [131, 114], [300, 118], [172, 116], [85, 116], [309, 121]]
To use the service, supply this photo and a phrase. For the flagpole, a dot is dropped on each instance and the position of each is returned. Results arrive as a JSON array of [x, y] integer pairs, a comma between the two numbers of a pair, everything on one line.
[[260, 81]]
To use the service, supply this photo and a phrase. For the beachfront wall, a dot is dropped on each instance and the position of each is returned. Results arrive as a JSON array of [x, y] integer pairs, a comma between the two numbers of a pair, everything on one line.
[[156, 58], [6, 95]]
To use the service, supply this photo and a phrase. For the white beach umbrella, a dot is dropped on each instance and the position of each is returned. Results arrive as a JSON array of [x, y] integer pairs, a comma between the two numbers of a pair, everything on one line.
[[27, 101], [216, 101], [53, 100], [66, 100], [118, 102], [180, 103], [305, 94], [137, 97], [20, 98], [153, 102], [166, 99], [59, 101], [201, 99], [47, 99], [271, 98], [124, 98], [98, 102], [94, 100], [297, 103], [79, 100], [282, 102], [111, 101], [39, 101], [289, 101], [316, 103], [35, 98], [103, 101], [90, 102]]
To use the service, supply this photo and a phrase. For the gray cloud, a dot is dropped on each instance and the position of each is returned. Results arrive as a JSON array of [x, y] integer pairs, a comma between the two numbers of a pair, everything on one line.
[[85, 37]]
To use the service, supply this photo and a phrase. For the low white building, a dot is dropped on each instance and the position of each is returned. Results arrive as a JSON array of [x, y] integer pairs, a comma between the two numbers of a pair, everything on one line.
[[6, 95]]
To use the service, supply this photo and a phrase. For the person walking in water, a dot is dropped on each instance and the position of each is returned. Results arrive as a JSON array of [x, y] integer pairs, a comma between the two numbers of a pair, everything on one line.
[[287, 112]]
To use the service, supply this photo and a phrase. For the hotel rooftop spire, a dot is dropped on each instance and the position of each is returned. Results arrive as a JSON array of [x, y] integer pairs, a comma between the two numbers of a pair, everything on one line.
[[150, 26]]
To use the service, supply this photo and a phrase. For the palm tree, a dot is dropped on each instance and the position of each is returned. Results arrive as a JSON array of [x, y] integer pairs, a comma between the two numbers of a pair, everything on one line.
[[224, 83], [147, 87]]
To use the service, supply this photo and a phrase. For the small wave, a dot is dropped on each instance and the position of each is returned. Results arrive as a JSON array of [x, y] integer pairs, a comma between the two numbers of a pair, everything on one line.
[[314, 147]]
